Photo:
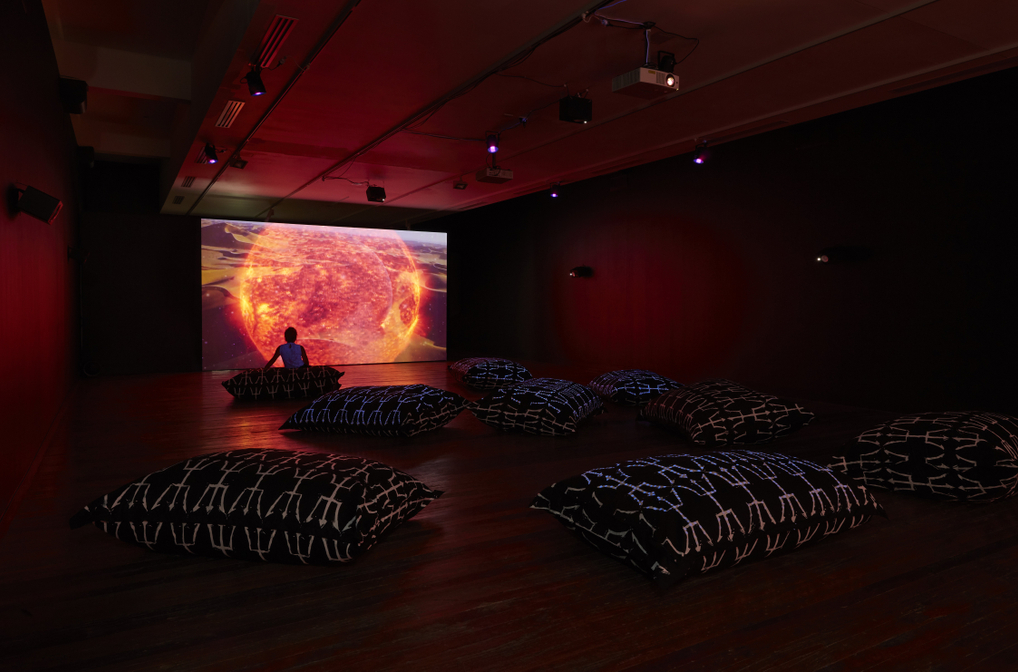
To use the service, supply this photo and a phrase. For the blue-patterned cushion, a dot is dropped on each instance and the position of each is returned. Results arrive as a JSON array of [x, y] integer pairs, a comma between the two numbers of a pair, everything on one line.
[[546, 406], [489, 373], [391, 410], [723, 413], [966, 455], [271, 505], [632, 387], [674, 515]]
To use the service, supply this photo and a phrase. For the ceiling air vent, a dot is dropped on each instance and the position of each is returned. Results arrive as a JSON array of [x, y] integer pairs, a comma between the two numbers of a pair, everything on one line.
[[277, 33], [230, 112], [177, 200], [188, 181]]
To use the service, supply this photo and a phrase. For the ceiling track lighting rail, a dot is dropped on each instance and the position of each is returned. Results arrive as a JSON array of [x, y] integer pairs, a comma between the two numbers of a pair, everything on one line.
[[337, 23], [433, 107]]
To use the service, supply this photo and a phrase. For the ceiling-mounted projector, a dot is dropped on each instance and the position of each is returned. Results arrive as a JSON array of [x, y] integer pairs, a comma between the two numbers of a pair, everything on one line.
[[494, 175], [645, 83]]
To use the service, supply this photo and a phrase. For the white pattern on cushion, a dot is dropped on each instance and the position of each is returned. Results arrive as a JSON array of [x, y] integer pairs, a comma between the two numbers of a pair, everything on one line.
[[270, 505], [546, 406], [949, 455], [674, 515]]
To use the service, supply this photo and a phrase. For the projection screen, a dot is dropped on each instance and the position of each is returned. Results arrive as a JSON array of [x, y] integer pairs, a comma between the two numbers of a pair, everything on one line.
[[355, 296]]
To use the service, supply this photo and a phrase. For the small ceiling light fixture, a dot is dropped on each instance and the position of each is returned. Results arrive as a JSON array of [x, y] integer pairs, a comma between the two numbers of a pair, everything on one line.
[[700, 154], [492, 141], [581, 272], [376, 194], [254, 81], [210, 152], [459, 185], [575, 109], [554, 190]]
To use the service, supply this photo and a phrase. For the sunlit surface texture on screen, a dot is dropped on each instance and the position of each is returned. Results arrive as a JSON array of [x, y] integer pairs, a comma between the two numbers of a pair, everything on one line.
[[355, 296]]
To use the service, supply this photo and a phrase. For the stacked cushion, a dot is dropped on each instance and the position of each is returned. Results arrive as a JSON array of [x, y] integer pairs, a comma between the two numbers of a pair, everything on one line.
[[283, 383], [632, 387], [489, 373], [674, 515], [963, 455], [720, 413], [547, 406], [392, 410], [270, 505]]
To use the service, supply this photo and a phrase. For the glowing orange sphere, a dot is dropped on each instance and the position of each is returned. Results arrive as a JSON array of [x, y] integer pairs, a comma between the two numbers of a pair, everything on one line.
[[353, 298]]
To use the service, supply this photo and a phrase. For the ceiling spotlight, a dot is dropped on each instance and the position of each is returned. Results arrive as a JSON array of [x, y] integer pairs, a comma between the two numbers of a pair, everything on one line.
[[210, 152], [700, 154], [254, 81], [376, 194], [492, 143], [554, 190]]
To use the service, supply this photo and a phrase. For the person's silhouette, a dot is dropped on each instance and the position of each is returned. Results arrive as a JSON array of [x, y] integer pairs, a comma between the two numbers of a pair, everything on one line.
[[294, 356]]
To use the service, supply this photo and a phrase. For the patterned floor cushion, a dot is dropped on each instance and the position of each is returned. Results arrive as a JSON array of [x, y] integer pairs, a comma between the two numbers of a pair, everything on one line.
[[547, 406], [963, 455], [392, 410], [282, 383], [632, 387], [489, 373], [271, 505], [722, 413], [675, 515]]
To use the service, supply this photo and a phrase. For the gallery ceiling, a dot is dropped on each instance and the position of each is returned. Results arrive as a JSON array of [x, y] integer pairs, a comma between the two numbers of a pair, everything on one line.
[[401, 94]]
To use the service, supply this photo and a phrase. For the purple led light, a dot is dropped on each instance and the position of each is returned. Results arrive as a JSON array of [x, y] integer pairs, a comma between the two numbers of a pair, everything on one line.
[[492, 149], [698, 159]]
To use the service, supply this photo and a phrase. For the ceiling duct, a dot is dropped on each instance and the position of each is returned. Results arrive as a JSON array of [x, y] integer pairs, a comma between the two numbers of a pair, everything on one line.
[[229, 114], [187, 182], [274, 37]]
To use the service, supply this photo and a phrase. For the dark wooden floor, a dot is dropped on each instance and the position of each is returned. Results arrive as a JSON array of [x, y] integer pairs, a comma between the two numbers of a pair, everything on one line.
[[478, 581]]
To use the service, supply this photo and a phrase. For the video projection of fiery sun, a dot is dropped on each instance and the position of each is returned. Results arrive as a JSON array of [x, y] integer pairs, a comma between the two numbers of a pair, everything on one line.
[[351, 299], [354, 296]]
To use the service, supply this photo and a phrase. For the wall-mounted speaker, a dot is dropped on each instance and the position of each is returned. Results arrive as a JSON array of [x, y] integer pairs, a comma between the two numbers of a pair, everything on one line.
[[39, 205]]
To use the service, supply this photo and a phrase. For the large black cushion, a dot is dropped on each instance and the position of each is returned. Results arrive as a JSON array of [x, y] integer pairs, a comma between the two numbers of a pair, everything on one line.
[[272, 505], [963, 455], [546, 406], [391, 410], [283, 383], [489, 373], [722, 413], [632, 387], [674, 515]]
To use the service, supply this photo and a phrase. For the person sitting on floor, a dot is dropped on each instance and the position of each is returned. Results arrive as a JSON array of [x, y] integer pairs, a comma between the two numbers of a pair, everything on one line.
[[294, 356]]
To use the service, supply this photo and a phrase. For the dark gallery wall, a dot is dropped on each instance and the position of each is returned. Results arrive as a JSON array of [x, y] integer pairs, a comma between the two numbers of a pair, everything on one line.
[[141, 304], [37, 287], [707, 271]]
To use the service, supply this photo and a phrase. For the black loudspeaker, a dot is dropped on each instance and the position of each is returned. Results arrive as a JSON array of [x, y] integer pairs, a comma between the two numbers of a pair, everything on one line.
[[39, 205], [575, 109], [74, 95]]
